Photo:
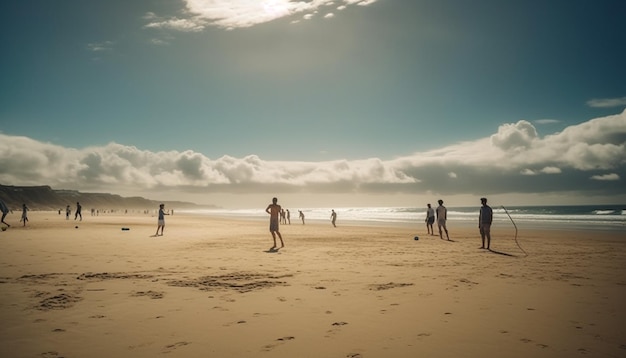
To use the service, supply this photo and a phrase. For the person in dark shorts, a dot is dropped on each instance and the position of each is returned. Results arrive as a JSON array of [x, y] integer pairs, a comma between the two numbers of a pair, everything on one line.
[[430, 219]]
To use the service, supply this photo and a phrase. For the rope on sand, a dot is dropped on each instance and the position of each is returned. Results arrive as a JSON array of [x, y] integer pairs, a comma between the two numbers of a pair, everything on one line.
[[515, 226]]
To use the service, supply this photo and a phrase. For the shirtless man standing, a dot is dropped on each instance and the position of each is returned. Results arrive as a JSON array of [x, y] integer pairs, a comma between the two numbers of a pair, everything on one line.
[[274, 210]]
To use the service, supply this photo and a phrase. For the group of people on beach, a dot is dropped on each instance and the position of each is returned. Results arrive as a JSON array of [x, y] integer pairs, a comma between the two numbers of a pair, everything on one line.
[[275, 210], [5, 211], [440, 214], [278, 215], [485, 218]]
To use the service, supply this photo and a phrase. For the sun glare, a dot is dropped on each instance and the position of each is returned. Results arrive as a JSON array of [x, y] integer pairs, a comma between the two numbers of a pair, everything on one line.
[[276, 8]]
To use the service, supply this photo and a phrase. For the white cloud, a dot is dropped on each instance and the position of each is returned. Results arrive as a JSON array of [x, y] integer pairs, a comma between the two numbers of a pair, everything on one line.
[[100, 46], [546, 170], [607, 102], [329, 15], [159, 42], [546, 121], [185, 25], [240, 13], [515, 159], [551, 170], [607, 177], [513, 136]]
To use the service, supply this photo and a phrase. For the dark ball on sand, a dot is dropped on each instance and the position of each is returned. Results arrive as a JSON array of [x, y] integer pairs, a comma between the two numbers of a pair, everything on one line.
[[76, 226], [416, 238]]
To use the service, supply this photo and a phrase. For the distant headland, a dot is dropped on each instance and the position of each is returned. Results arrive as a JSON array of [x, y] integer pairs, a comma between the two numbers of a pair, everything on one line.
[[45, 198]]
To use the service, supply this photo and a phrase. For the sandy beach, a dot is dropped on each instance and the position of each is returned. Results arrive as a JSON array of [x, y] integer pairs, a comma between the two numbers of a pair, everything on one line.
[[209, 287]]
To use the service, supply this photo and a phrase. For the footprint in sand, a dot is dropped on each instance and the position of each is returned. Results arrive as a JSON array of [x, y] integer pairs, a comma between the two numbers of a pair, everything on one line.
[[269, 347], [173, 346], [154, 295], [58, 302]]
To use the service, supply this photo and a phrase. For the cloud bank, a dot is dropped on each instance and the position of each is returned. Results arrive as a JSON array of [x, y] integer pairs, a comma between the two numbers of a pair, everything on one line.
[[201, 14], [589, 159]]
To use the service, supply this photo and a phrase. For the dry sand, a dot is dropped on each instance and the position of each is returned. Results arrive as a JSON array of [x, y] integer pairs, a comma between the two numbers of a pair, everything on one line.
[[210, 288]]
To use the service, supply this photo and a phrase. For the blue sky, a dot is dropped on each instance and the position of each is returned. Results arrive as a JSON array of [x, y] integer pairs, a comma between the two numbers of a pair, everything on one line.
[[316, 99]]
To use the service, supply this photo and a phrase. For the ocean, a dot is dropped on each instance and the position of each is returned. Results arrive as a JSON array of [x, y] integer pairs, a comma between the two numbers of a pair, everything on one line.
[[579, 217]]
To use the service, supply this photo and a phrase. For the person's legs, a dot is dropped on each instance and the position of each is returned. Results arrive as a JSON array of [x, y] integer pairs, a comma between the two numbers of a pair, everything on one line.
[[488, 234], [282, 244], [482, 236], [446, 230]]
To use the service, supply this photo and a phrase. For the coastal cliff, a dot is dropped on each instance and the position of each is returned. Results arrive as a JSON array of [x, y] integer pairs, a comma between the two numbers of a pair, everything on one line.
[[45, 198]]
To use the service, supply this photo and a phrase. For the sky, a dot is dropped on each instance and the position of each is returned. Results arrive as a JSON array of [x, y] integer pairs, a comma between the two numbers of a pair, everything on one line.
[[320, 103]]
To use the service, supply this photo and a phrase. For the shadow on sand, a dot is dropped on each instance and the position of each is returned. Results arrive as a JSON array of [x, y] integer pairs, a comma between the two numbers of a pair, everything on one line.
[[501, 253]]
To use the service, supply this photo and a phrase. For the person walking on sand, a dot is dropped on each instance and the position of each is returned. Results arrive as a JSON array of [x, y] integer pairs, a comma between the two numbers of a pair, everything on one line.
[[5, 210], [274, 210], [24, 214], [430, 219], [161, 220], [288, 216], [283, 219], [68, 212], [442, 216], [301, 216], [78, 211], [485, 217], [333, 217]]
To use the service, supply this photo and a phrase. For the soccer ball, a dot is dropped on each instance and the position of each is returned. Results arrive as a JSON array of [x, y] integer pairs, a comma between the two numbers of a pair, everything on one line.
[[416, 238]]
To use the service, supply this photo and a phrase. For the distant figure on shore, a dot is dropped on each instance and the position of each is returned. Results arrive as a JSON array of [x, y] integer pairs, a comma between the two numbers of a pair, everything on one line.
[[485, 217], [442, 216], [283, 218], [24, 214], [161, 220], [333, 217], [288, 216], [78, 211], [301, 216], [68, 212], [430, 219], [274, 210], [5, 210], [59, 211]]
